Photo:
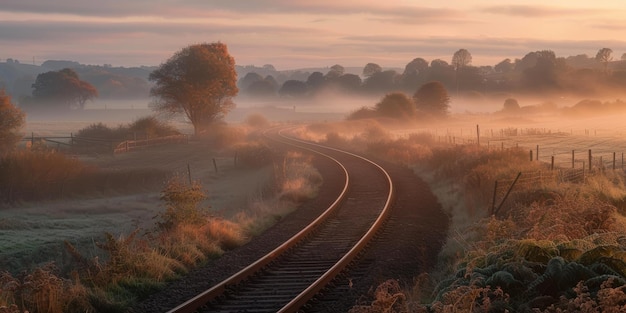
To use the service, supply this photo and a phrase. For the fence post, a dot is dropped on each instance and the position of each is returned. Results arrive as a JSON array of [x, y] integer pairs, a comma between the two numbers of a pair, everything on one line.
[[189, 173], [215, 165], [531, 155], [493, 202], [32, 139], [552, 164], [572, 158], [613, 160], [589, 160], [478, 134], [537, 153]]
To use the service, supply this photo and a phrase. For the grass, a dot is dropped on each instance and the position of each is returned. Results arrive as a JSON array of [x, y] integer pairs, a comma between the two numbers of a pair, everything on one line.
[[128, 268], [555, 246]]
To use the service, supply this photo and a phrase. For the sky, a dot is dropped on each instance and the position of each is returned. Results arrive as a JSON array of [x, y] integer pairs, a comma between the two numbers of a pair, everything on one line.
[[291, 34]]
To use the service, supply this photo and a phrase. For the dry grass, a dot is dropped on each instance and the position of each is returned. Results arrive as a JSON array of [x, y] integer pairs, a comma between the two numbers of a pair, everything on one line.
[[544, 221], [133, 266]]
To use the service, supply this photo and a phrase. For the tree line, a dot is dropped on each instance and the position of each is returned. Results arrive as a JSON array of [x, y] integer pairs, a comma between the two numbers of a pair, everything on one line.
[[538, 72]]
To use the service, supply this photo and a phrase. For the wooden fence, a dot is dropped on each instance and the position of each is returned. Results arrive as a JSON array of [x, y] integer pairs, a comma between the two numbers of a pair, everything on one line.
[[87, 144], [132, 145]]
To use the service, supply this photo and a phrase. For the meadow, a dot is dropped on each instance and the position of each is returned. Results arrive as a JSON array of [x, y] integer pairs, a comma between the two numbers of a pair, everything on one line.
[[76, 247]]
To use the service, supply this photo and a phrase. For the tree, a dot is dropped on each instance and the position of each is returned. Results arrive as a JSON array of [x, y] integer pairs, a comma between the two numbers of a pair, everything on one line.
[[335, 71], [199, 81], [461, 58], [249, 79], [11, 121], [315, 81], [604, 56], [504, 66], [415, 73], [293, 88], [349, 82], [381, 82], [396, 105], [511, 104], [432, 98], [62, 89], [371, 69], [623, 58]]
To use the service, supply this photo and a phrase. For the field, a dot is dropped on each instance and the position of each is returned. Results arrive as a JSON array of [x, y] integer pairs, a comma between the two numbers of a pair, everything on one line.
[[33, 233]]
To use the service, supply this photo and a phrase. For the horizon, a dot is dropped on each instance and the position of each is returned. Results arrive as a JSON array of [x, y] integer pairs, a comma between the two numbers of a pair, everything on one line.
[[297, 34]]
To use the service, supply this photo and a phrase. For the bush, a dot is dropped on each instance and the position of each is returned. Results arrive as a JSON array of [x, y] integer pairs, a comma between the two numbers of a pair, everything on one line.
[[257, 120], [252, 154], [32, 175], [150, 127], [182, 201]]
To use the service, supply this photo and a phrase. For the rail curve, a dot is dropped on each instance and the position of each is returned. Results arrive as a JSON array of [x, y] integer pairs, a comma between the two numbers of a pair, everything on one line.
[[285, 279]]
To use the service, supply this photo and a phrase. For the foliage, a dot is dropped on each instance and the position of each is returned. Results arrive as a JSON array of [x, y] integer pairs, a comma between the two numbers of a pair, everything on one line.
[[150, 127], [432, 99], [298, 179], [252, 154], [511, 105], [32, 174], [62, 89], [293, 88], [199, 81], [99, 137], [182, 202], [461, 58], [257, 120], [42, 290], [11, 121], [362, 113], [396, 105], [371, 69]]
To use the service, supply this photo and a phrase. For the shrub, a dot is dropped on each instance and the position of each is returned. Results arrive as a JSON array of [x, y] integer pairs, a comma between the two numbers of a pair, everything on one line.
[[396, 105], [182, 201], [252, 154], [362, 113], [151, 127], [33, 175], [257, 120]]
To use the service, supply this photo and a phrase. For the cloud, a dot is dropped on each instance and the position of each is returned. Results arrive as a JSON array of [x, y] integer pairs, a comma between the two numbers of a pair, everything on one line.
[[539, 11]]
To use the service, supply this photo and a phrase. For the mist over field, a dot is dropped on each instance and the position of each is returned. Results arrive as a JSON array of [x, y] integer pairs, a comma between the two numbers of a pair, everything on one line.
[[117, 179]]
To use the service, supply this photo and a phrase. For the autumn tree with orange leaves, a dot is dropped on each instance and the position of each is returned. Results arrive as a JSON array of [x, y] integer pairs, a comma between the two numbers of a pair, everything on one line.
[[199, 81]]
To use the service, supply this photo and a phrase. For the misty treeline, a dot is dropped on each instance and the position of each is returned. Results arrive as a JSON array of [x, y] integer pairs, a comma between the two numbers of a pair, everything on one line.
[[537, 73]]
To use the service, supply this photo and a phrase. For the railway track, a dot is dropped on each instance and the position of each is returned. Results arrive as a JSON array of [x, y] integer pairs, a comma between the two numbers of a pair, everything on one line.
[[285, 279]]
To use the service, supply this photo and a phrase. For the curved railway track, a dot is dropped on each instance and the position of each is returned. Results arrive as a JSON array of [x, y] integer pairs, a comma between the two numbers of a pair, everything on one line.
[[285, 279]]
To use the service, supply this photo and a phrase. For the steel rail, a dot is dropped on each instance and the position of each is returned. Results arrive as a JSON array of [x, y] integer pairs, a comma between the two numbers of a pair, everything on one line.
[[196, 302], [308, 293]]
